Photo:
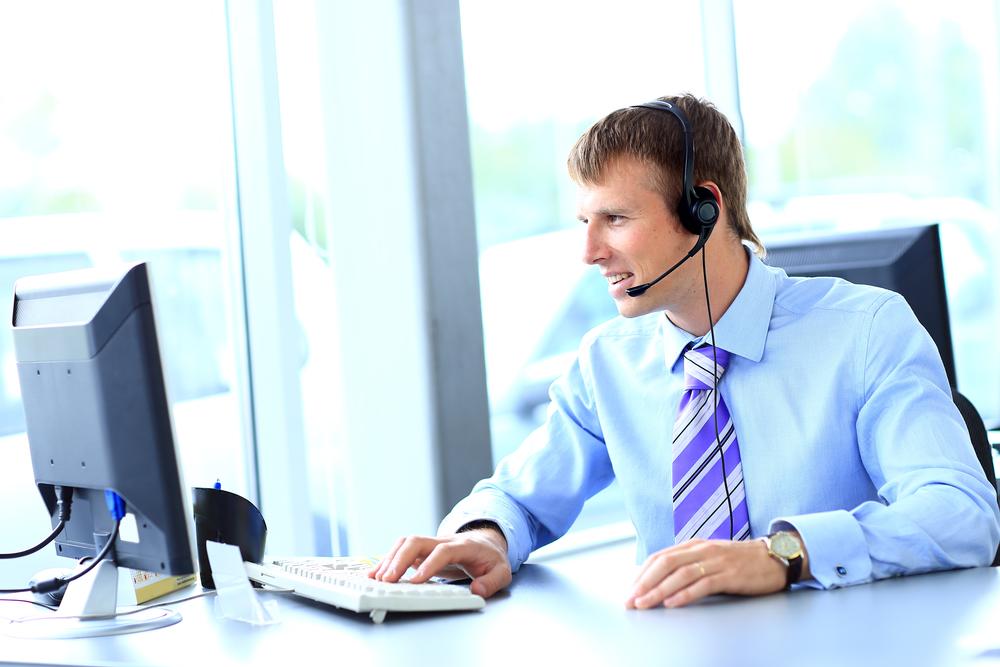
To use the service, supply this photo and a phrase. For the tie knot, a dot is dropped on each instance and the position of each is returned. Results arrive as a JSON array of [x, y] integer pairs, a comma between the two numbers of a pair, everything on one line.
[[698, 365]]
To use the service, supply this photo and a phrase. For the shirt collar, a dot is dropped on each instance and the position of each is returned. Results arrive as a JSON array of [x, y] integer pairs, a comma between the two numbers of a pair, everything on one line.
[[742, 329]]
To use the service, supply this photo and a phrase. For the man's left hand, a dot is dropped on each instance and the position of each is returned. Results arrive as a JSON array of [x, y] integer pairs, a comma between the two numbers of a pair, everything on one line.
[[683, 573]]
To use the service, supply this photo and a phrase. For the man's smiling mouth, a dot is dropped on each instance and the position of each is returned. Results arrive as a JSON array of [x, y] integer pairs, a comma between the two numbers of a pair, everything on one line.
[[616, 278]]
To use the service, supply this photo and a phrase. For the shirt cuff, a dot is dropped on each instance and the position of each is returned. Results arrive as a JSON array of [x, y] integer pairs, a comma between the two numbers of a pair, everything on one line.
[[835, 544], [496, 507]]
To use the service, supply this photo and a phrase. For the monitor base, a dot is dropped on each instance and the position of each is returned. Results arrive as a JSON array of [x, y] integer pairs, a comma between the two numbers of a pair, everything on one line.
[[59, 627], [89, 609]]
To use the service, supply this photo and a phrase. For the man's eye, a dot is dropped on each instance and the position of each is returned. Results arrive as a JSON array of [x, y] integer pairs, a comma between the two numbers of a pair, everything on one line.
[[616, 219]]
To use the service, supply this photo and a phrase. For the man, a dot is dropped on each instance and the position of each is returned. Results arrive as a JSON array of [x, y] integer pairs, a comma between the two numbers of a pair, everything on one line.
[[821, 421]]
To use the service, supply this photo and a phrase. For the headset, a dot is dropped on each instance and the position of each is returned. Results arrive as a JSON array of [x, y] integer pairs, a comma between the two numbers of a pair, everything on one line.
[[698, 212]]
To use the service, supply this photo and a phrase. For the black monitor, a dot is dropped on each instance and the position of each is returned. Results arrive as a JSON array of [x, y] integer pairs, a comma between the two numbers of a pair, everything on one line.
[[904, 260], [97, 416]]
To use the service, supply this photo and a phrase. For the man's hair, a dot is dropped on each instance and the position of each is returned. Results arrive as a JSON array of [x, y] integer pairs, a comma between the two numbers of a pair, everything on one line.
[[656, 138]]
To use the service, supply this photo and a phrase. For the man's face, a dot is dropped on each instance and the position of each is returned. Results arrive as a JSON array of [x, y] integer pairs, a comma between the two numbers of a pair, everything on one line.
[[632, 238]]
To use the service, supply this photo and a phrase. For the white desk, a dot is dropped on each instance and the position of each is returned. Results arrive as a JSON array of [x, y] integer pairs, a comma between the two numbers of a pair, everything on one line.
[[569, 611]]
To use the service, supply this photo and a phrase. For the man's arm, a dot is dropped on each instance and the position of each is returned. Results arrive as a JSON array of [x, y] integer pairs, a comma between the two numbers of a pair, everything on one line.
[[935, 511], [533, 497], [683, 573]]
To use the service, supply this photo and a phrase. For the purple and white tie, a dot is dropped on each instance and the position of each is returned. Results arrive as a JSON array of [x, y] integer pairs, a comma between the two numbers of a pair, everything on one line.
[[700, 506]]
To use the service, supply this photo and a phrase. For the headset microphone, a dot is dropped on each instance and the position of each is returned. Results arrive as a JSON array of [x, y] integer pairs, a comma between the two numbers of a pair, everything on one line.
[[698, 210], [639, 290]]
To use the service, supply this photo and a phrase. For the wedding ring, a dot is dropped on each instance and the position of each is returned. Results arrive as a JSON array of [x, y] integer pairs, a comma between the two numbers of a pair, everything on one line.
[[701, 568]]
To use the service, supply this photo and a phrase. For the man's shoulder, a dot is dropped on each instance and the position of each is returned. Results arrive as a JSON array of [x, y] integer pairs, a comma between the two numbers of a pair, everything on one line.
[[804, 295]]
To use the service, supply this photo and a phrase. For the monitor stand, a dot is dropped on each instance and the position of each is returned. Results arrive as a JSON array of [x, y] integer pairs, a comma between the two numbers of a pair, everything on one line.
[[89, 609]]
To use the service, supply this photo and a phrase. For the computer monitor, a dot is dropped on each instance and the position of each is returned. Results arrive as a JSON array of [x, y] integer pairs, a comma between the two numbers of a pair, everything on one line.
[[97, 416], [904, 260]]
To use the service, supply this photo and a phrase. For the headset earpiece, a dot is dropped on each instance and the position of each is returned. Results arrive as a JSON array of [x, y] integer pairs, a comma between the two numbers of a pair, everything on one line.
[[704, 209]]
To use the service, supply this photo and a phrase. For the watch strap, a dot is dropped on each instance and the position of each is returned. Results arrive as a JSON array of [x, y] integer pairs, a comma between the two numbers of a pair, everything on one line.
[[794, 572], [479, 523], [793, 566]]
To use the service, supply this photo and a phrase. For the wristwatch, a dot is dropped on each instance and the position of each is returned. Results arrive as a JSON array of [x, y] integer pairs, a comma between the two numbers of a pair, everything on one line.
[[786, 548], [477, 524]]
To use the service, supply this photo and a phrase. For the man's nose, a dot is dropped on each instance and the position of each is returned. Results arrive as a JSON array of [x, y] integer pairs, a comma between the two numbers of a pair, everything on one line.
[[594, 249]]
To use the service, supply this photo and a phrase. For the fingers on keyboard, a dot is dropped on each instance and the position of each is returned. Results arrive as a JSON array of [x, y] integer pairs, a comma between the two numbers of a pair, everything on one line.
[[410, 551]]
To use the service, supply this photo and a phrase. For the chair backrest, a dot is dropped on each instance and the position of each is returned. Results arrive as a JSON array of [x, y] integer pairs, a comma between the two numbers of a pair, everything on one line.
[[980, 442]]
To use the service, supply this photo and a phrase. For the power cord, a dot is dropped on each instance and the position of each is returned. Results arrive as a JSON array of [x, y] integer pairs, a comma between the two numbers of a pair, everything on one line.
[[34, 602], [64, 503], [49, 585], [116, 506]]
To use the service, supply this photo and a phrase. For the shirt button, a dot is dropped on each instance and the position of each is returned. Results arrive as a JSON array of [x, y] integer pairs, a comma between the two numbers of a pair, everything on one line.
[[841, 571]]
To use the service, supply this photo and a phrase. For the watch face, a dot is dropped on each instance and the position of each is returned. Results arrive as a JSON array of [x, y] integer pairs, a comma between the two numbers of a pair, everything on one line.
[[785, 545]]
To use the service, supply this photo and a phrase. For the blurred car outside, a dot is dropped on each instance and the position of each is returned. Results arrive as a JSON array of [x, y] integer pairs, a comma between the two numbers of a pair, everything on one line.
[[539, 298]]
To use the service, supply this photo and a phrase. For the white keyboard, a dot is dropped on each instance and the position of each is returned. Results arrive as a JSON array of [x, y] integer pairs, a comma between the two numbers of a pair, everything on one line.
[[343, 582]]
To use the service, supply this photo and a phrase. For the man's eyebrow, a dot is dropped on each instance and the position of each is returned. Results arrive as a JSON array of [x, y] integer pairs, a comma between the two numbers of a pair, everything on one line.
[[606, 211]]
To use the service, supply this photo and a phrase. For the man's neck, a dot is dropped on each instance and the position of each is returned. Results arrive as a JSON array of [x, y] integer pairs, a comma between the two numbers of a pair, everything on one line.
[[728, 266]]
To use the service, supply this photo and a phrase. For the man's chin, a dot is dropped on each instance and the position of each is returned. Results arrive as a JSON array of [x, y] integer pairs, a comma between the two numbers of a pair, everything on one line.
[[633, 308]]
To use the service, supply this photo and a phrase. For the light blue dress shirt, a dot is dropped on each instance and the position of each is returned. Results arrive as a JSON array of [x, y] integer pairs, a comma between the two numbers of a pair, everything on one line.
[[846, 426]]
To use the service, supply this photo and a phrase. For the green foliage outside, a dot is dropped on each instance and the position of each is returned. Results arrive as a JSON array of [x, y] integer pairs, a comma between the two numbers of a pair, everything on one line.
[[897, 110], [516, 177]]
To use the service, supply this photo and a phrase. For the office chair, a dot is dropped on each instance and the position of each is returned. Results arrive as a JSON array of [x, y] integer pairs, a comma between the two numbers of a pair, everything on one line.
[[980, 442]]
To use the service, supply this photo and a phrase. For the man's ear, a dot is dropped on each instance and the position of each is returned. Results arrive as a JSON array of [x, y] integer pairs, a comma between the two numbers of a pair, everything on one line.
[[714, 189]]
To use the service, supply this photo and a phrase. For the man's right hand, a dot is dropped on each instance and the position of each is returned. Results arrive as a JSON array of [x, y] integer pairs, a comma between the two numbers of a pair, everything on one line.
[[479, 553]]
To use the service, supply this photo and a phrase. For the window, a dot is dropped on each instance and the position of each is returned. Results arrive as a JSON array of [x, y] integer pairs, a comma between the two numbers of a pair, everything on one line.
[[886, 115], [302, 134], [116, 136], [534, 85]]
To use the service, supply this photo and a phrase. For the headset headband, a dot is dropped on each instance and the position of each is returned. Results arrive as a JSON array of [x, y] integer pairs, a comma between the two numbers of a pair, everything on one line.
[[688, 185]]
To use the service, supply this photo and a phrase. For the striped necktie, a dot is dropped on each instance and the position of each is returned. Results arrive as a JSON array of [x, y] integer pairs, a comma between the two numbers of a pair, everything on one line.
[[700, 506]]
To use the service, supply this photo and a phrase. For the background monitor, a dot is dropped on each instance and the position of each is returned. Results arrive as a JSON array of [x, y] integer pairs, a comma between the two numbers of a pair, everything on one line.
[[97, 415], [905, 260]]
